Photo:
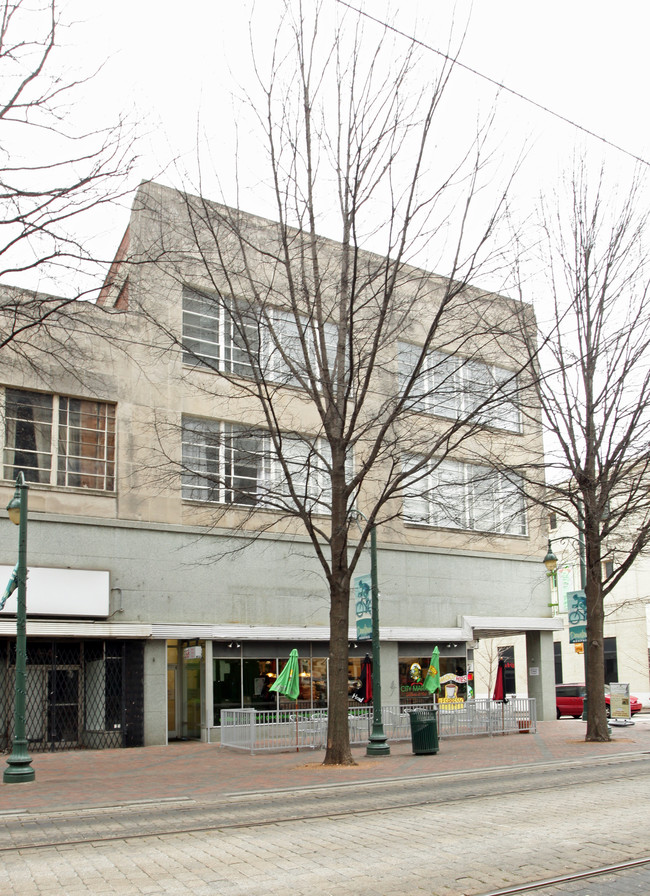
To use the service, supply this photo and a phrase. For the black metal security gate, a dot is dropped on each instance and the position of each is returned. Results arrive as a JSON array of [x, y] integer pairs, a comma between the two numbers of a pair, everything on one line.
[[78, 694]]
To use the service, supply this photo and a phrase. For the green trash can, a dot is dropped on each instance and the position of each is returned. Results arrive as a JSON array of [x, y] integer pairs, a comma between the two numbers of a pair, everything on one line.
[[424, 731]]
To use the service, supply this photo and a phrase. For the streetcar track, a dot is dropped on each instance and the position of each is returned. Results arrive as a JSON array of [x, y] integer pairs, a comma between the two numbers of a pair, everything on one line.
[[222, 824], [566, 878]]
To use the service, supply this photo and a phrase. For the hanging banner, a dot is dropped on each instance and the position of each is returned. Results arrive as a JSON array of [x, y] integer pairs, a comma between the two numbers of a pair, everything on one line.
[[577, 610], [363, 607]]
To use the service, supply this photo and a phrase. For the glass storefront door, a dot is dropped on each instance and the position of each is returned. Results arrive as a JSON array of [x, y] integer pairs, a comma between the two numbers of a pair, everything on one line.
[[172, 701], [184, 691], [192, 697]]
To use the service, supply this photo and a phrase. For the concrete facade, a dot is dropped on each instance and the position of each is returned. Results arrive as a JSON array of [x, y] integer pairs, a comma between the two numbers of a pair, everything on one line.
[[206, 590]]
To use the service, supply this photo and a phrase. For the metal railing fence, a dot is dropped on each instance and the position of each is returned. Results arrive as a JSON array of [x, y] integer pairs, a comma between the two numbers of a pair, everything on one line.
[[255, 731]]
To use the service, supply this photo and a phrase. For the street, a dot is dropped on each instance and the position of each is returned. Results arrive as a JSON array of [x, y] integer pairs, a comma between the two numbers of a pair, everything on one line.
[[443, 835]]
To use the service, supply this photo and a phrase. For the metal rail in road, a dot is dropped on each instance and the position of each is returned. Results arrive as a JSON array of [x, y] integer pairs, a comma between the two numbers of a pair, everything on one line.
[[604, 879]]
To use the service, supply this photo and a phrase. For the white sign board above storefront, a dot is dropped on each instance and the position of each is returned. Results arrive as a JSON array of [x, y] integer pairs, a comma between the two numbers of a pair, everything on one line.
[[60, 592]]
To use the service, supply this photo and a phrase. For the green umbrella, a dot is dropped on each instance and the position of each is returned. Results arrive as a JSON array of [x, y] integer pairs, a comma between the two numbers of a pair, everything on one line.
[[288, 682], [432, 681]]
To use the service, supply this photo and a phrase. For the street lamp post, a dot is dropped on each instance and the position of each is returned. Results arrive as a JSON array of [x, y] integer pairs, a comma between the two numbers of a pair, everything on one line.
[[377, 743], [19, 762], [550, 562]]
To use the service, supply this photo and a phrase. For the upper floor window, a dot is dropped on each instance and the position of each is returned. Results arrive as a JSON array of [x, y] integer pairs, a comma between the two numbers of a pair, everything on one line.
[[244, 341], [58, 440], [210, 338], [232, 464], [450, 386], [455, 495]]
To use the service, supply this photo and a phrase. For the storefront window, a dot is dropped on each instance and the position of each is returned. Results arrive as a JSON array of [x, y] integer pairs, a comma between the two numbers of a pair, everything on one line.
[[243, 683], [453, 680], [259, 675], [226, 686], [354, 676], [319, 681]]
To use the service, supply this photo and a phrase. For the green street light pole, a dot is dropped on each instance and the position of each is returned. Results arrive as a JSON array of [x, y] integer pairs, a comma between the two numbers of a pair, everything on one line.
[[550, 562], [377, 743], [583, 585], [19, 762]]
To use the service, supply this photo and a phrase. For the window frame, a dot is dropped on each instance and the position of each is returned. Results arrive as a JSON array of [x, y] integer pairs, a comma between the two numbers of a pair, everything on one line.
[[230, 356], [441, 369], [449, 478], [271, 489], [94, 449]]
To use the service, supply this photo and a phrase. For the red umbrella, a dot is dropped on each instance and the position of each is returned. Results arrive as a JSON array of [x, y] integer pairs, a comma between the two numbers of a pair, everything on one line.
[[499, 689], [363, 694]]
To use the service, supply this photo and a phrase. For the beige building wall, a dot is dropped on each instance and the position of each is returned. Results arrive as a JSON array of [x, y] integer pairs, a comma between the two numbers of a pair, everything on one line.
[[182, 570]]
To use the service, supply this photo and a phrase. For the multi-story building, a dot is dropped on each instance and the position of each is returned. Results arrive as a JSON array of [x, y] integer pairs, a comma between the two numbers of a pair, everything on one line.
[[162, 588]]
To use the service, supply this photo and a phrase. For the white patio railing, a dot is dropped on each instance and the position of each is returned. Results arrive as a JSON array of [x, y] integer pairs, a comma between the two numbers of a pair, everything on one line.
[[255, 731]]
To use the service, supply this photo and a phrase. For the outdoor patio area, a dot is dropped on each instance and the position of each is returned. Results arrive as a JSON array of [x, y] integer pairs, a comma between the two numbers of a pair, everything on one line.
[[255, 731]]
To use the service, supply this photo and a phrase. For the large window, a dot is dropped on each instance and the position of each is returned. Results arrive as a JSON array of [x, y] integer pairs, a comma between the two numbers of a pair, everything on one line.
[[59, 441], [211, 338], [232, 464], [246, 341], [450, 386], [455, 495], [456, 683], [246, 682]]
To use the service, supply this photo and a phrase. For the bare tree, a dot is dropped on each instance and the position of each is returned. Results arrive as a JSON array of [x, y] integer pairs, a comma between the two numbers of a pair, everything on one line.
[[53, 176], [316, 330], [594, 350]]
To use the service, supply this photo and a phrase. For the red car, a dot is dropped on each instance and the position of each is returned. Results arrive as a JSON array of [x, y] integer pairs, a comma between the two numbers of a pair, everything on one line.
[[569, 700]]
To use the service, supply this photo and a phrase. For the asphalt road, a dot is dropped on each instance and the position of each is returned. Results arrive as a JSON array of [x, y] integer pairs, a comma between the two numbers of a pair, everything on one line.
[[457, 834]]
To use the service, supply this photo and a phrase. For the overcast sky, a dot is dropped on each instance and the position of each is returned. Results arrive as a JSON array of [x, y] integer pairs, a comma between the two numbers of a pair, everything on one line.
[[172, 65]]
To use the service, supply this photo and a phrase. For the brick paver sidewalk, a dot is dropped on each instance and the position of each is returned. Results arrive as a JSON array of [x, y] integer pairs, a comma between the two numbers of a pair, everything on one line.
[[204, 772]]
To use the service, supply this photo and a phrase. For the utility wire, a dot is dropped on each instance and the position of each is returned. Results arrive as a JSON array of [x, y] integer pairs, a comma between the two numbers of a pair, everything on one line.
[[498, 84]]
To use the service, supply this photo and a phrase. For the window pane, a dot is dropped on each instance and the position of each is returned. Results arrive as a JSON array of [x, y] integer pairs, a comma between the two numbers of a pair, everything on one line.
[[448, 497], [201, 328], [484, 496], [454, 495], [445, 384], [226, 687], [28, 435], [417, 495], [513, 506], [221, 463], [478, 389], [243, 344], [202, 453], [246, 465], [285, 349], [407, 358], [86, 444], [506, 413], [307, 471]]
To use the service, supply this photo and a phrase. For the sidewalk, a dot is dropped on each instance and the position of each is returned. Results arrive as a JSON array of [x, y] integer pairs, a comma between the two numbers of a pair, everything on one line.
[[205, 773]]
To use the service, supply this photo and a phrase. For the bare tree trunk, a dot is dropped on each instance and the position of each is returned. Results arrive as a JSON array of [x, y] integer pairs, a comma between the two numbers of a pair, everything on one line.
[[597, 728], [338, 740]]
